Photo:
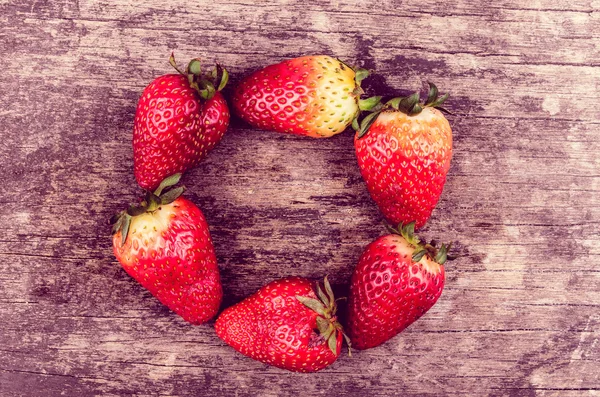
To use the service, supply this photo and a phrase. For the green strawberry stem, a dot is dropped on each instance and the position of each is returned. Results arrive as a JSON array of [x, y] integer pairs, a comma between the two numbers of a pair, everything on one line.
[[205, 84], [366, 123], [407, 231], [151, 202], [409, 105], [325, 306]]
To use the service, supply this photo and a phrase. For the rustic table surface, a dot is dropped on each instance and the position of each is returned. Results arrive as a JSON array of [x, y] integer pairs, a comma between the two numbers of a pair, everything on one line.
[[520, 314]]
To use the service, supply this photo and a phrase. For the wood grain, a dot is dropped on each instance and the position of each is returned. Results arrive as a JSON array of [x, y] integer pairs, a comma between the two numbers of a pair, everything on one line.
[[520, 315]]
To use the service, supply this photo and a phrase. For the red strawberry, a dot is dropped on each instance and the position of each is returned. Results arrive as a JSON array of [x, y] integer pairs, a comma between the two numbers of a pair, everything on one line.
[[179, 119], [396, 281], [286, 325], [164, 244], [404, 154], [317, 96]]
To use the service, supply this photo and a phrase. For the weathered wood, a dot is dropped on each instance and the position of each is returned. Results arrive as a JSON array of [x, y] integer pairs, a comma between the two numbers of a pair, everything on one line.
[[520, 314]]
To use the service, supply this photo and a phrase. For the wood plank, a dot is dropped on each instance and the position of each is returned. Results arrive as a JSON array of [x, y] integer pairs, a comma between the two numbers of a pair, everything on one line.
[[519, 314]]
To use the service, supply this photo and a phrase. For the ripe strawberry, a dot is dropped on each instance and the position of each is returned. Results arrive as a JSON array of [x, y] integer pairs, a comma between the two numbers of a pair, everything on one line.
[[164, 244], [286, 325], [179, 119], [404, 152], [395, 282], [317, 96]]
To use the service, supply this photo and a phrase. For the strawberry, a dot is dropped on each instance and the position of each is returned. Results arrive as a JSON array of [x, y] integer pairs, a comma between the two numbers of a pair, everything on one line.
[[179, 119], [286, 324], [396, 281], [164, 244], [404, 150], [316, 96]]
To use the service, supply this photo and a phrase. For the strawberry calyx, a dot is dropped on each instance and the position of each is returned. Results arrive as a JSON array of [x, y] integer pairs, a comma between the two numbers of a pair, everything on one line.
[[151, 202], [327, 323], [371, 104], [410, 105], [407, 231], [206, 84]]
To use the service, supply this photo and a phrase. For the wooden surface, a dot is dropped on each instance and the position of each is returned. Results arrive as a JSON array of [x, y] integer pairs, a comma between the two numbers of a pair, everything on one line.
[[520, 314]]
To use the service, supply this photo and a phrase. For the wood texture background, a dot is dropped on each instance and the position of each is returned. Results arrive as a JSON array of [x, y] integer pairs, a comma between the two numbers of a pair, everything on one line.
[[520, 314]]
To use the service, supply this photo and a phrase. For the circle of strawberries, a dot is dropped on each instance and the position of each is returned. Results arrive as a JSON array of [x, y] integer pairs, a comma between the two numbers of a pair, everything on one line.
[[403, 149]]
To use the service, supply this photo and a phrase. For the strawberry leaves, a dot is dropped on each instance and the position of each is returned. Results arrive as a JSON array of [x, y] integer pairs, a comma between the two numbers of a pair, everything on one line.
[[360, 75], [171, 195], [366, 124], [432, 99], [442, 254], [433, 94], [417, 255], [410, 105], [329, 292], [369, 103], [125, 228], [194, 67], [313, 304], [325, 306], [152, 201], [135, 210], [323, 296], [224, 76], [332, 343], [407, 231], [173, 63], [206, 84]]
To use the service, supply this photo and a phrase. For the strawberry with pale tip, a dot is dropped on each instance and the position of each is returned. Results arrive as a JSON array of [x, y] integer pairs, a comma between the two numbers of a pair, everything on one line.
[[164, 243], [316, 96], [404, 150]]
